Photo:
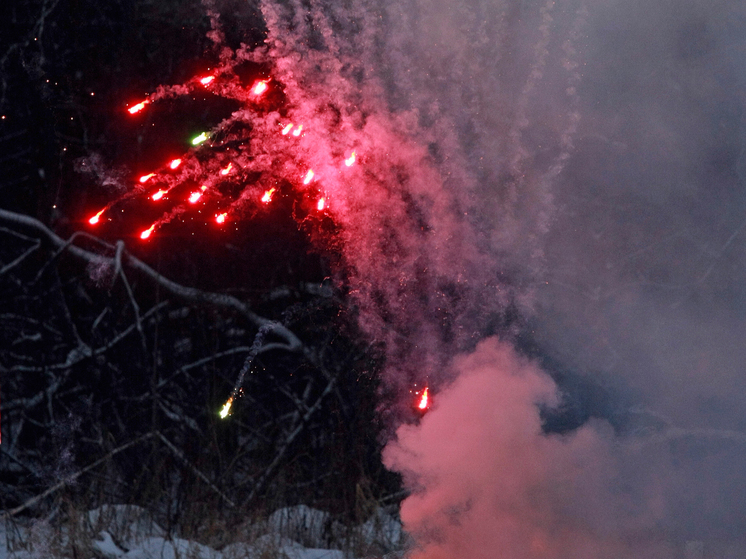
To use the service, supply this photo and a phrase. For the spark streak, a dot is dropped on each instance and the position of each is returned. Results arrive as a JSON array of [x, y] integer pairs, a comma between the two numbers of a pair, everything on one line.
[[321, 204], [298, 130], [206, 80], [226, 408], [199, 139], [286, 129], [350, 160], [267, 197], [220, 218], [158, 195], [424, 401], [259, 87], [309, 177], [95, 219], [194, 196], [174, 164], [227, 169], [134, 109], [149, 231], [146, 178]]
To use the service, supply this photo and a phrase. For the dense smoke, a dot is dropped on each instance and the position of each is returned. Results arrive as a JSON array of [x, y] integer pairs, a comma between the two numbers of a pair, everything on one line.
[[573, 171]]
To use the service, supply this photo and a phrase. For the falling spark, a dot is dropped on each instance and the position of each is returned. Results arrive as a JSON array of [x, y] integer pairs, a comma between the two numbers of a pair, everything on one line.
[[267, 197], [175, 164], [134, 109], [287, 128], [260, 87], [226, 408], [194, 196], [149, 231], [309, 177], [424, 401], [227, 169], [298, 130], [199, 139], [147, 177], [220, 218], [321, 204], [203, 188], [350, 160], [206, 80], [95, 219], [158, 195]]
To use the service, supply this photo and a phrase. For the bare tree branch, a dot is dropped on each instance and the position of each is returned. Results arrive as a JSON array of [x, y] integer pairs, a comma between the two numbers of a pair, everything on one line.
[[292, 342]]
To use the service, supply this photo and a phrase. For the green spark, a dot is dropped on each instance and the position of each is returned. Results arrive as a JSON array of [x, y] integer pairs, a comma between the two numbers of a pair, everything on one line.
[[199, 139]]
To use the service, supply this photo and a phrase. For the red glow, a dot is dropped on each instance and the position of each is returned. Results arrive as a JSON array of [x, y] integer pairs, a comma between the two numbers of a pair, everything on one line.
[[286, 129], [298, 130], [149, 231], [350, 160], [175, 163], [267, 198], [95, 219], [259, 87], [194, 196], [145, 178], [158, 195], [221, 218], [424, 402], [309, 177], [321, 204], [206, 80], [134, 109], [227, 169]]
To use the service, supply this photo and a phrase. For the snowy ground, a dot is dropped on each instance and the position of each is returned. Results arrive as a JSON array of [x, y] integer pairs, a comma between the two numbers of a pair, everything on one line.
[[129, 532]]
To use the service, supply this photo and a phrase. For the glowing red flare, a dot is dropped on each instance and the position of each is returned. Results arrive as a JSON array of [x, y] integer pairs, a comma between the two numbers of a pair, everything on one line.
[[298, 130], [227, 169], [350, 160], [221, 218], [206, 80], [267, 198], [158, 195], [145, 234], [287, 128], [260, 87], [194, 196], [134, 109], [175, 163], [147, 177], [321, 204], [309, 177], [95, 219], [424, 401]]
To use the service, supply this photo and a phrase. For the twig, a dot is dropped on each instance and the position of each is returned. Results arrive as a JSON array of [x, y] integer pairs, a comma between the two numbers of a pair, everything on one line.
[[194, 468], [31, 502]]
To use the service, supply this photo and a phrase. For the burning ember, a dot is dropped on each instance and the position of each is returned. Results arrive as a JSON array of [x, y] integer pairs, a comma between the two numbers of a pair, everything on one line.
[[226, 408], [260, 87], [267, 197], [424, 402], [134, 109], [149, 231]]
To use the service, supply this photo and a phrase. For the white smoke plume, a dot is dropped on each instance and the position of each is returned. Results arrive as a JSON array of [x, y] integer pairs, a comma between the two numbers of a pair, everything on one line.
[[568, 171]]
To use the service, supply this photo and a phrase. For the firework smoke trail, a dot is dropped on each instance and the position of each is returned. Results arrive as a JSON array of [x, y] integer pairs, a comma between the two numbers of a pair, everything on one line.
[[256, 346], [466, 118]]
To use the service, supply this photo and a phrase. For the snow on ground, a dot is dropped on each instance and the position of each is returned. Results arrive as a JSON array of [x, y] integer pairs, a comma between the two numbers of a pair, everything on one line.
[[129, 532]]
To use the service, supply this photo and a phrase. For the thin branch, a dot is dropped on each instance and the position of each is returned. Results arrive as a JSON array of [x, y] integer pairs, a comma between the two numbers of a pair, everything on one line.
[[194, 468]]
